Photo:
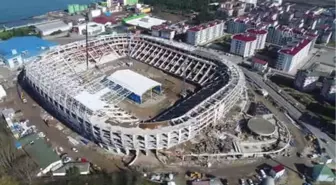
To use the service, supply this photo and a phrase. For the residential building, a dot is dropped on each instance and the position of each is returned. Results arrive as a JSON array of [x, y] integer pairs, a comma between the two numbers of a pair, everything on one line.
[[254, 2], [237, 25], [277, 2], [261, 36], [204, 33], [277, 171], [243, 45], [259, 65], [322, 173], [19, 50], [329, 88], [163, 31], [292, 54], [325, 37], [306, 80], [279, 35]]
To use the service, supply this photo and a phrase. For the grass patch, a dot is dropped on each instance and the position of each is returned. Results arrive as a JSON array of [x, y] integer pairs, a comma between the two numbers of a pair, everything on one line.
[[17, 32]]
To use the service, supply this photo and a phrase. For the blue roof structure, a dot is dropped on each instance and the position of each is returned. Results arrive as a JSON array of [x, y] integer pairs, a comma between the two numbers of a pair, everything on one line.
[[27, 46]]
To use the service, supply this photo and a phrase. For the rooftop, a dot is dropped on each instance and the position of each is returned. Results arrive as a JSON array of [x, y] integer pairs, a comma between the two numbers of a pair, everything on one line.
[[259, 61], [133, 81], [145, 22], [257, 31], [41, 153], [244, 37], [83, 167], [298, 47], [52, 25], [29, 46], [261, 126], [278, 168]]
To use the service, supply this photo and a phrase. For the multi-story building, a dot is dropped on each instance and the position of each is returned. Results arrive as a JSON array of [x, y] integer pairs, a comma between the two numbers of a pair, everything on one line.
[[204, 33], [261, 36], [243, 44], [306, 80], [163, 31], [277, 2], [279, 35], [259, 65], [329, 88], [292, 54], [237, 25]]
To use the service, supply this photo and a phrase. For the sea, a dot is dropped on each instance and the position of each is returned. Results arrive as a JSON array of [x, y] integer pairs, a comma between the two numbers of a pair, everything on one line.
[[18, 11]]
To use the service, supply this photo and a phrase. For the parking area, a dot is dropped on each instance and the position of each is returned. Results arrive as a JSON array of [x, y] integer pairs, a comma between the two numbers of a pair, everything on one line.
[[323, 60]]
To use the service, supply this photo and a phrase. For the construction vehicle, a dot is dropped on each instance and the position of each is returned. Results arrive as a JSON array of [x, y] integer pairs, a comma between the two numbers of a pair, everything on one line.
[[194, 175], [24, 100]]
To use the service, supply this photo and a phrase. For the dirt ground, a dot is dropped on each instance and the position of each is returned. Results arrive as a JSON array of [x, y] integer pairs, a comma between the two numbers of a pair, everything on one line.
[[57, 137]]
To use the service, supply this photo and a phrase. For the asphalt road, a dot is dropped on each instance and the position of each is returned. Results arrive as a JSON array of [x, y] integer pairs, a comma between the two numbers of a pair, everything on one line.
[[294, 113]]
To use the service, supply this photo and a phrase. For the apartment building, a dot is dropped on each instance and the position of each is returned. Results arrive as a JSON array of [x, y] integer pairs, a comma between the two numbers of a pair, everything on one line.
[[292, 54], [261, 35], [243, 44], [204, 33]]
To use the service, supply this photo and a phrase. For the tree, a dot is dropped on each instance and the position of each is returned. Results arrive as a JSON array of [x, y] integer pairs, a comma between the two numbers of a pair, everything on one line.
[[73, 171], [7, 180]]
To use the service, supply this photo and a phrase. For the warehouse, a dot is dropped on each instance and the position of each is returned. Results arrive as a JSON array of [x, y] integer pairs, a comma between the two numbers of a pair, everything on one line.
[[138, 85], [143, 21], [18, 50], [48, 28]]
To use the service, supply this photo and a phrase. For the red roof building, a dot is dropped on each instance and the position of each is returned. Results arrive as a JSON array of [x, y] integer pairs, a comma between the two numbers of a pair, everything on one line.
[[244, 37], [277, 171], [297, 48]]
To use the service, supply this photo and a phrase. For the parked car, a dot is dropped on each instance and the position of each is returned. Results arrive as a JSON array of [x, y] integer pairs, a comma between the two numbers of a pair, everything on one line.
[[241, 181], [262, 173], [74, 149], [250, 182]]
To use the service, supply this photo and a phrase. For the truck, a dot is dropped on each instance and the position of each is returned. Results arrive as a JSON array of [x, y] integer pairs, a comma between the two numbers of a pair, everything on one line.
[[23, 99]]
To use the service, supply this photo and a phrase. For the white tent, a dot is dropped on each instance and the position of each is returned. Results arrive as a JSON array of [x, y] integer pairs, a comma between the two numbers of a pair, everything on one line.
[[133, 81], [2, 92]]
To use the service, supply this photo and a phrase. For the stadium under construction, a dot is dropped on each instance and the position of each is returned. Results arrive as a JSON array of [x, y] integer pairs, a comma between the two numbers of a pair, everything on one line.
[[136, 92]]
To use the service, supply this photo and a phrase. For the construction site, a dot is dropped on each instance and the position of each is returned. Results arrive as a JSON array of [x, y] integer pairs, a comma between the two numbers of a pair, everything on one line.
[[136, 93]]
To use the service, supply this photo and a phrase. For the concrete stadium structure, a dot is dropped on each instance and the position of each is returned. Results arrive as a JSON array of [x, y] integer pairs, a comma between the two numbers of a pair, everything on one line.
[[61, 75]]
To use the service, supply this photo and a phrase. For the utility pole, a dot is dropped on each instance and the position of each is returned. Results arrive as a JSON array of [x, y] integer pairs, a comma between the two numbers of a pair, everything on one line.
[[87, 41]]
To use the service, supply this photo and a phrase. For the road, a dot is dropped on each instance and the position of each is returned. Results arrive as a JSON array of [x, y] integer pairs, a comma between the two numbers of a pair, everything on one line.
[[294, 113]]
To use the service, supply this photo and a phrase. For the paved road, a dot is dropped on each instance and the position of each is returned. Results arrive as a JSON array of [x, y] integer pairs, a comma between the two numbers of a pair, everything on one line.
[[294, 113]]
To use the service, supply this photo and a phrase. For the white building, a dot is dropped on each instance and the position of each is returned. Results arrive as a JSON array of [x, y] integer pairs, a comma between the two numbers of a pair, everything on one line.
[[254, 2], [259, 65], [243, 45], [329, 88], [306, 80], [292, 54], [45, 29], [93, 28], [261, 36], [3, 93], [204, 33], [277, 2]]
